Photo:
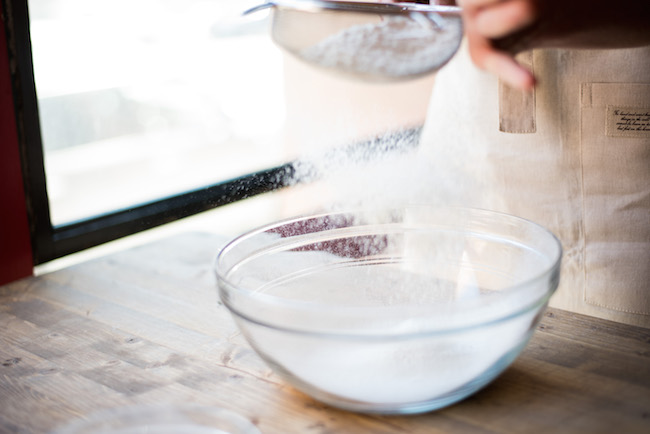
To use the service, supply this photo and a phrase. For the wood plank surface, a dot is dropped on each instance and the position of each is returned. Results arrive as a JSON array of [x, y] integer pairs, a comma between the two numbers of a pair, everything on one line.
[[145, 326]]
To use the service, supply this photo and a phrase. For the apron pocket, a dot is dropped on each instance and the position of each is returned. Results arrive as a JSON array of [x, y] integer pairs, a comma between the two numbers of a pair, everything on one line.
[[615, 152]]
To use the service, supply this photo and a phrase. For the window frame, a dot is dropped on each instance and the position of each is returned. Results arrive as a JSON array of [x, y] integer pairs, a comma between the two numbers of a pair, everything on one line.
[[48, 241], [15, 248]]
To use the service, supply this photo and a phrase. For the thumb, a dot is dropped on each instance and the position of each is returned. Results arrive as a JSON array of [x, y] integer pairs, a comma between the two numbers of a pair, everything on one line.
[[499, 63]]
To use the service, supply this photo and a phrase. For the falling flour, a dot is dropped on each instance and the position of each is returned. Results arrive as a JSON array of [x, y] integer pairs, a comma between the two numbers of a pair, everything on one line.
[[396, 46], [418, 367], [389, 171]]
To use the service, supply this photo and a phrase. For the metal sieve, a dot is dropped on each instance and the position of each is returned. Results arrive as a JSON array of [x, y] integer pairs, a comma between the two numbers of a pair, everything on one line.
[[367, 41]]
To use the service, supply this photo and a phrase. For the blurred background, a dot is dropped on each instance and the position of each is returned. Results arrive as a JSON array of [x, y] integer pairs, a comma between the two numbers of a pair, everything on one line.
[[139, 100]]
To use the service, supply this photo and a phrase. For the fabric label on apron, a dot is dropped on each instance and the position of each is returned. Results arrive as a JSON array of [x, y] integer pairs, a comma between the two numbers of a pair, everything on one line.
[[628, 122]]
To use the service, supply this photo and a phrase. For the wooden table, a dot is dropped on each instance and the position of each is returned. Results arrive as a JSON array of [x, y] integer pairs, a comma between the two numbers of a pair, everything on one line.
[[144, 326]]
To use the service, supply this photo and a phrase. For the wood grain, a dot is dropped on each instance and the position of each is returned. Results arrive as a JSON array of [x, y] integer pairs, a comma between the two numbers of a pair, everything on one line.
[[145, 326]]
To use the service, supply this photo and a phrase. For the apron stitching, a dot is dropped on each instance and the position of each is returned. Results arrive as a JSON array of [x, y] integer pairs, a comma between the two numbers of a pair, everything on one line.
[[586, 101], [604, 306], [584, 88]]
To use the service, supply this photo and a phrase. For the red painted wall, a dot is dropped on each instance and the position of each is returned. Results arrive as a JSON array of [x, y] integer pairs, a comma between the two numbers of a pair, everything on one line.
[[15, 246]]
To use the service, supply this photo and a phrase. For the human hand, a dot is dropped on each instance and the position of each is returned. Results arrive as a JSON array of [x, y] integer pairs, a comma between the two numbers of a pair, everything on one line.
[[497, 29], [488, 21]]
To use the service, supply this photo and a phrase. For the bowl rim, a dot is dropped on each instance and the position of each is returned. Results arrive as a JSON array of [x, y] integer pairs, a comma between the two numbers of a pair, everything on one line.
[[550, 272]]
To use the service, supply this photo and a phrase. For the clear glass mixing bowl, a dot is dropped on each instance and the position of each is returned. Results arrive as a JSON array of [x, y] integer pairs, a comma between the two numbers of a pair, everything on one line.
[[390, 311]]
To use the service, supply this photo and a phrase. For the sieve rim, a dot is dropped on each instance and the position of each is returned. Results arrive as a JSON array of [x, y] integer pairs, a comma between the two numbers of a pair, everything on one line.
[[353, 6]]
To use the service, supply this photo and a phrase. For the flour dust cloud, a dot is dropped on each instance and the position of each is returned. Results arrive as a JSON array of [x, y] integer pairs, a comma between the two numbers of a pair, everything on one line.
[[393, 171]]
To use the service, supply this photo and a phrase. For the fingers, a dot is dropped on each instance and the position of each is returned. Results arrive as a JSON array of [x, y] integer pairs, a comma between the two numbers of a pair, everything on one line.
[[476, 4], [509, 71], [505, 18], [487, 20], [501, 64], [498, 18]]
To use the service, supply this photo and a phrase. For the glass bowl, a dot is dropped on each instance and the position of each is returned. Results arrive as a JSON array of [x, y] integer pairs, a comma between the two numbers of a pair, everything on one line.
[[390, 311]]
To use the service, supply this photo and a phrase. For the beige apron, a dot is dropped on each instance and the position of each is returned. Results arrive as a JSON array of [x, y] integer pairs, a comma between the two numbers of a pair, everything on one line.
[[574, 156]]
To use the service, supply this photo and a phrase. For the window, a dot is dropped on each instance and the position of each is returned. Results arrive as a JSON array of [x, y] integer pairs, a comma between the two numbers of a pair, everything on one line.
[[134, 114], [142, 100], [137, 113]]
